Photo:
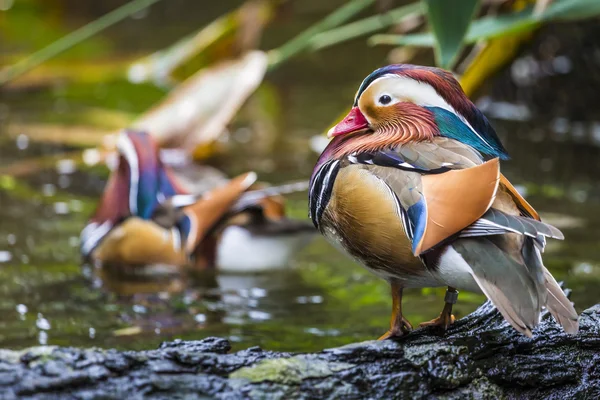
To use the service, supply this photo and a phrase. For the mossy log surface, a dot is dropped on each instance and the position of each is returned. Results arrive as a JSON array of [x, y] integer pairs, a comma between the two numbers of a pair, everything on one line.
[[479, 357]]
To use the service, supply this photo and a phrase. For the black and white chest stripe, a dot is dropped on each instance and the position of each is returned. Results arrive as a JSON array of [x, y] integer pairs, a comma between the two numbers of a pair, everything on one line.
[[320, 190]]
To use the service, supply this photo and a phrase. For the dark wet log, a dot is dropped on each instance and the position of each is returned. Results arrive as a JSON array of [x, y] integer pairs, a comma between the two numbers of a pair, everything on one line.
[[480, 357]]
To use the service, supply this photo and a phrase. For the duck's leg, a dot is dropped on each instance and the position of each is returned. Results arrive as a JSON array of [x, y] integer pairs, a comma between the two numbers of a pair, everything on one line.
[[399, 325], [445, 318]]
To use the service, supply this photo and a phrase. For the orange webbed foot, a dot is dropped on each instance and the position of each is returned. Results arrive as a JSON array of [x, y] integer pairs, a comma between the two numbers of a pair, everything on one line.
[[397, 331], [445, 318], [442, 322]]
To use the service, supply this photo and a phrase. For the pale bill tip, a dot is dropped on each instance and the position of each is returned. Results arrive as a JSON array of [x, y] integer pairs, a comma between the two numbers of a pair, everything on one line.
[[330, 132]]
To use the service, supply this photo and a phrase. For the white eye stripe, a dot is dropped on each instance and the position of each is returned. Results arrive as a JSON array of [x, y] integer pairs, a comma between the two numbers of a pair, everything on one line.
[[420, 93]]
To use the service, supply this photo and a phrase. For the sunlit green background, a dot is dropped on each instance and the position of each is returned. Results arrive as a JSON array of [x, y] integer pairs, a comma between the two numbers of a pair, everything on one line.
[[546, 111]]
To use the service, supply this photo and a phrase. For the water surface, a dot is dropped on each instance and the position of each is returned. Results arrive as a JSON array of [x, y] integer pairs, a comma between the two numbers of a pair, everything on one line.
[[324, 299]]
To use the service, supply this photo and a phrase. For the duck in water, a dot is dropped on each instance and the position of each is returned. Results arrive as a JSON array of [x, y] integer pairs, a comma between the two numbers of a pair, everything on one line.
[[146, 217]]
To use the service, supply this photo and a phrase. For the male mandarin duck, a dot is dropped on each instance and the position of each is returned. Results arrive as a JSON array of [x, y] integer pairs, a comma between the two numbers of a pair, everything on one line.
[[410, 187], [147, 217]]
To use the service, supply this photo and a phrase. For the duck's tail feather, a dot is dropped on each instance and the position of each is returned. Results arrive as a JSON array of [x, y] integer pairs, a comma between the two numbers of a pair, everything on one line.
[[518, 288], [209, 210], [508, 283], [559, 305]]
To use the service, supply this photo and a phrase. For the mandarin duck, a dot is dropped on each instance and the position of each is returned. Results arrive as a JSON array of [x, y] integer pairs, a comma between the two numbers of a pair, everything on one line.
[[410, 187], [147, 217]]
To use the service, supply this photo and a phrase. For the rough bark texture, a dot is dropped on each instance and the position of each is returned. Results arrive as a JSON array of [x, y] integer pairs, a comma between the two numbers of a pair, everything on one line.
[[480, 357]]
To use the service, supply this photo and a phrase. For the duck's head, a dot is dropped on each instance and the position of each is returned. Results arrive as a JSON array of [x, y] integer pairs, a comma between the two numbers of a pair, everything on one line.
[[135, 187], [401, 103]]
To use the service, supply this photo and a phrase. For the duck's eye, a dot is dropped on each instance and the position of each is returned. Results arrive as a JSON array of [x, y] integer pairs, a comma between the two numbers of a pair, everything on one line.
[[385, 99]]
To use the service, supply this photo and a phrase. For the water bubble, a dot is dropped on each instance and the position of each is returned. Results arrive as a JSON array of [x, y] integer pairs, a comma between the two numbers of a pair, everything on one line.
[[21, 309], [66, 166], [321, 332], [139, 309], [61, 208], [314, 331], [137, 73], [92, 333], [522, 190], [43, 338], [301, 299], [560, 125], [258, 292], [259, 315], [48, 190], [233, 320], [11, 238], [524, 71], [42, 323], [22, 141], [318, 143], [316, 299], [91, 157], [562, 65], [73, 241], [200, 318], [583, 268], [164, 295], [5, 256]]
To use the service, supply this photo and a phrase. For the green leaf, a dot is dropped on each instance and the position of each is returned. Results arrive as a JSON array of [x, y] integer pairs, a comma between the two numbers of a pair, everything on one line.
[[502, 25], [449, 22], [303, 40], [365, 26], [566, 10], [77, 36], [414, 40], [481, 29]]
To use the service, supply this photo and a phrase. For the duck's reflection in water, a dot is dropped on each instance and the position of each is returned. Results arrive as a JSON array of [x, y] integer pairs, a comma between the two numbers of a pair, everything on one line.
[[170, 301]]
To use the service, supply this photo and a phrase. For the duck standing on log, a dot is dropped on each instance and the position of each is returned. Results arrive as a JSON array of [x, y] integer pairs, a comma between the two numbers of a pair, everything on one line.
[[147, 217], [410, 187]]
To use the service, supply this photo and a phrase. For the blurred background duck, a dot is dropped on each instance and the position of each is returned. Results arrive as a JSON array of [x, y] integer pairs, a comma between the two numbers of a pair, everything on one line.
[[147, 216], [410, 186]]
